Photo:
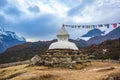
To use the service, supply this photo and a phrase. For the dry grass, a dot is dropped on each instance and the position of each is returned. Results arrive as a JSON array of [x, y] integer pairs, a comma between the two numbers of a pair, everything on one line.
[[25, 72], [10, 72], [111, 76], [45, 77]]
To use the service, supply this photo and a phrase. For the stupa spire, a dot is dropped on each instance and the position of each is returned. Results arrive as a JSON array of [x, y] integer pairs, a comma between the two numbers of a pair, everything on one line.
[[63, 31], [63, 42], [63, 34]]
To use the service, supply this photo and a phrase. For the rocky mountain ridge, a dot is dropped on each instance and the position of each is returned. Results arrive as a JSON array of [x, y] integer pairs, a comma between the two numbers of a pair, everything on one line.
[[9, 39]]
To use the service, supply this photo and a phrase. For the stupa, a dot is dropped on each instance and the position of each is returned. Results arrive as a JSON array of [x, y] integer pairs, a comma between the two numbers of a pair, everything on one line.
[[62, 41], [62, 53]]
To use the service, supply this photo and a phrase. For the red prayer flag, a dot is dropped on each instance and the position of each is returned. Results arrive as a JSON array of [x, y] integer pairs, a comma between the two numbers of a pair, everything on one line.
[[86, 26], [115, 25]]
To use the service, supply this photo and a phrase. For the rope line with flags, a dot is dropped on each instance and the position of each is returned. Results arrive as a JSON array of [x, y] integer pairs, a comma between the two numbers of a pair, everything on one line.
[[115, 25]]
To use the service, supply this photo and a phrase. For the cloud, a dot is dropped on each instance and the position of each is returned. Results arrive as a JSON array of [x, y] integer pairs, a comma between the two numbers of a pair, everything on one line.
[[2, 21], [37, 28], [3, 3], [34, 9], [31, 9], [70, 3], [95, 12], [79, 7], [12, 11], [41, 19]]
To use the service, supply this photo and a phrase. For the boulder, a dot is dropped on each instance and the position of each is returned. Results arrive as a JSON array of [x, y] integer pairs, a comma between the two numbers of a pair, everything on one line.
[[36, 60]]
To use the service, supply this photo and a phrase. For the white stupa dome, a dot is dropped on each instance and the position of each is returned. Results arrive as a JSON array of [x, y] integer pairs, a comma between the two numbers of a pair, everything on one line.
[[63, 45], [63, 42]]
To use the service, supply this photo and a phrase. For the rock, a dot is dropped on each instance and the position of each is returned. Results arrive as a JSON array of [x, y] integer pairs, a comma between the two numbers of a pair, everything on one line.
[[36, 60], [60, 58]]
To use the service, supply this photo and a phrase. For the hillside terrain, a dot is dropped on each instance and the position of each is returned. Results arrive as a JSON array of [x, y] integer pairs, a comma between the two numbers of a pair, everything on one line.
[[24, 51], [99, 47], [9, 39], [109, 49], [105, 50], [27, 50]]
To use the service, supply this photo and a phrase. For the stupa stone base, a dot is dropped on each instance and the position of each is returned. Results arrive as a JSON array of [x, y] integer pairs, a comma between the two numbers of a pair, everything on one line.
[[66, 58]]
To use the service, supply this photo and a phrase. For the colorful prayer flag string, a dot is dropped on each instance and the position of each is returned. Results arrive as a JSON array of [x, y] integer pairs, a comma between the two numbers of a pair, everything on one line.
[[115, 25]]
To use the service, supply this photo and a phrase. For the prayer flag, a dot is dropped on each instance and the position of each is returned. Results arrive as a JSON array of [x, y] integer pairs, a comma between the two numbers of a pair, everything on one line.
[[114, 25], [107, 25]]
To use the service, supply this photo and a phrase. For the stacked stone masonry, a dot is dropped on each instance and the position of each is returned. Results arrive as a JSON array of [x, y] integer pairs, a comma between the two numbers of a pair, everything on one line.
[[66, 58]]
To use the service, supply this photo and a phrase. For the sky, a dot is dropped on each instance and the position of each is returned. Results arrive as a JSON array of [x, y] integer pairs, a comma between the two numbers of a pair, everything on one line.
[[41, 19]]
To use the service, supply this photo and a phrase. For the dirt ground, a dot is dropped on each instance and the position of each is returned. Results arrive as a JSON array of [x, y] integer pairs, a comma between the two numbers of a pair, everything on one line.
[[24, 72]]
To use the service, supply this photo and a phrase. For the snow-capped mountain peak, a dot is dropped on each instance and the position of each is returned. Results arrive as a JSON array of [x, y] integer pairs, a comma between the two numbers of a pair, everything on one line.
[[10, 34], [9, 39], [14, 36]]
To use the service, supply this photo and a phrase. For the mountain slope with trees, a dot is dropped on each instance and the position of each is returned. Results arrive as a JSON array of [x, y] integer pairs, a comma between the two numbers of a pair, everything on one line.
[[109, 49]]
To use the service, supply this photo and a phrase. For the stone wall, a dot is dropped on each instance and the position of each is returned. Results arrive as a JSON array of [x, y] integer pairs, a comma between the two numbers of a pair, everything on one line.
[[60, 58]]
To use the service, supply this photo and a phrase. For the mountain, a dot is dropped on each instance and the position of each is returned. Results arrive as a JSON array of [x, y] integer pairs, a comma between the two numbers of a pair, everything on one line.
[[93, 33], [24, 51], [105, 50], [114, 34], [29, 49], [9, 39], [97, 37], [79, 43]]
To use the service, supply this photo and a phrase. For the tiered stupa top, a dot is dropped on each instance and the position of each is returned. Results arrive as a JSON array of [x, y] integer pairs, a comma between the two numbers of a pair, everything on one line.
[[63, 42]]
